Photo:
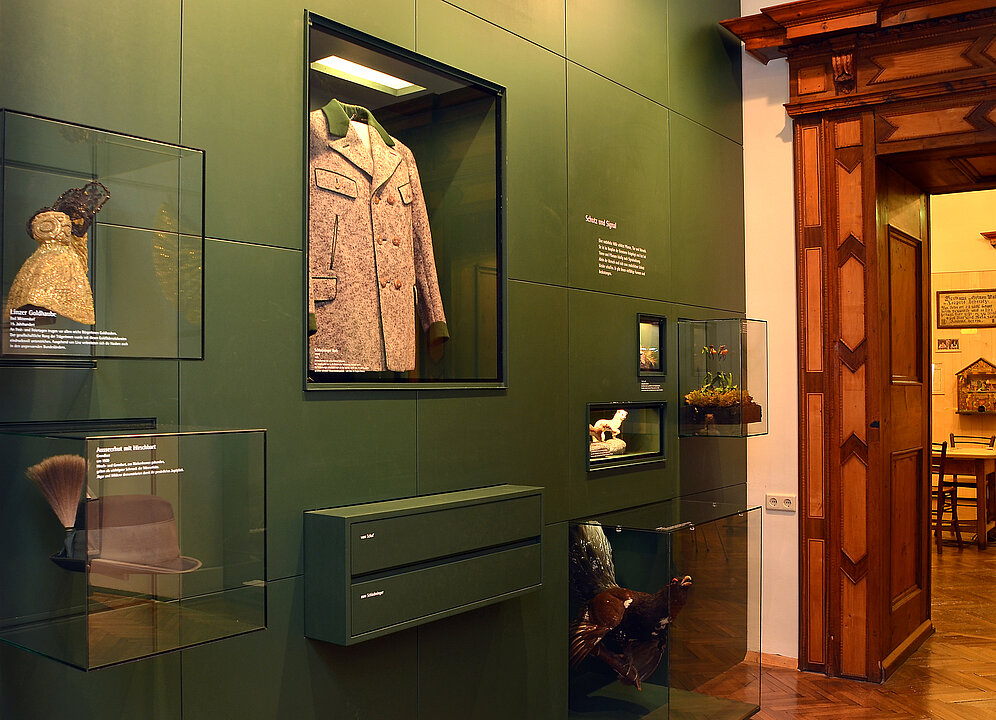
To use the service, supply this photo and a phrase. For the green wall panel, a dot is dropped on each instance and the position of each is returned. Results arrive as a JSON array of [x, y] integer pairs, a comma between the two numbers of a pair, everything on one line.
[[707, 218], [504, 661], [588, 137], [515, 436], [323, 448], [126, 388], [390, 20], [278, 673], [243, 85], [44, 394], [708, 463], [113, 65], [541, 21], [536, 138], [618, 161], [604, 357], [33, 687], [624, 40], [704, 65], [114, 389]]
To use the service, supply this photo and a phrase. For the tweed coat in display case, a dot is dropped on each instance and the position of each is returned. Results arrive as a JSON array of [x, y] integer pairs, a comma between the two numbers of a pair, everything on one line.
[[370, 259]]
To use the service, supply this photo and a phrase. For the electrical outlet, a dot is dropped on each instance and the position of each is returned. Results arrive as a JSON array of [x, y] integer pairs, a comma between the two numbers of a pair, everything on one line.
[[785, 503]]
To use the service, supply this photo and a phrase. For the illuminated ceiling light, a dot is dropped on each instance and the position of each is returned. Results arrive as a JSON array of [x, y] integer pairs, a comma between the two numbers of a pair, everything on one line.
[[362, 75]]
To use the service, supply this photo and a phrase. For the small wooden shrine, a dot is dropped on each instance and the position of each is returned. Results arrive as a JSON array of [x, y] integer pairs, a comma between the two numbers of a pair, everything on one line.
[[977, 388]]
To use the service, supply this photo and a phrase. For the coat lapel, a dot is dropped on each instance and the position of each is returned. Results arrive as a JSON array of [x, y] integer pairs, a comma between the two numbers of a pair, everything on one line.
[[351, 148], [386, 160]]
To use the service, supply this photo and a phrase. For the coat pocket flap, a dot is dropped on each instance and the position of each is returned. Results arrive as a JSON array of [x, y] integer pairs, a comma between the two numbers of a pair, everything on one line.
[[323, 288], [406, 193], [328, 180]]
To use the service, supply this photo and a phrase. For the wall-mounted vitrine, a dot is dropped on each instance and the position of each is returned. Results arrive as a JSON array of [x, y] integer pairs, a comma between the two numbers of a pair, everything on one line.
[[665, 612], [102, 243], [124, 540], [625, 434], [723, 377], [405, 259], [652, 331]]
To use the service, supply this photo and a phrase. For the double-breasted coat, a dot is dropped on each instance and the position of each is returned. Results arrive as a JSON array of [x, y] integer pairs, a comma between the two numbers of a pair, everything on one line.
[[370, 259]]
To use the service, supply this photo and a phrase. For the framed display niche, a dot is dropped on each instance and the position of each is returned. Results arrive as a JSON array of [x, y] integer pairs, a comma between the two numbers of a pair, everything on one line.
[[653, 345], [621, 434], [405, 258]]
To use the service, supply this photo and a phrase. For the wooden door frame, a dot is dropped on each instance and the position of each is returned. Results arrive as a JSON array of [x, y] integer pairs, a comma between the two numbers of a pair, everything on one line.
[[911, 84]]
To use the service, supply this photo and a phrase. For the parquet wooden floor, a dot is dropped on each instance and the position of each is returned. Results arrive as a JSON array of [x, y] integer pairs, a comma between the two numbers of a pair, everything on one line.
[[951, 677]]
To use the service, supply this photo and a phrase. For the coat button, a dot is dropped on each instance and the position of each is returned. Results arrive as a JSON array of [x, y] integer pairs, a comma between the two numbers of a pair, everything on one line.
[[396, 242], [397, 284], [390, 199], [383, 283], [376, 198]]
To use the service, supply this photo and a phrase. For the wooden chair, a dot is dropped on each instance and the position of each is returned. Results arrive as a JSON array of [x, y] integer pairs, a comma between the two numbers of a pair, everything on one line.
[[944, 496], [987, 441]]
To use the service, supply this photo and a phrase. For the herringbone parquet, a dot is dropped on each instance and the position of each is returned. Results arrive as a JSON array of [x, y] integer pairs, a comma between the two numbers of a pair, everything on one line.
[[951, 677]]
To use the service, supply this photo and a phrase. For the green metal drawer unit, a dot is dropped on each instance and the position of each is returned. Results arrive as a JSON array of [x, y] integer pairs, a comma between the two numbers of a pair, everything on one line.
[[377, 568]]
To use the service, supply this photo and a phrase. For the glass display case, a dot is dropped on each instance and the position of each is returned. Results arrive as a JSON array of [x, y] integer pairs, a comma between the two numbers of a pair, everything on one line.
[[653, 355], [405, 262], [124, 540], [102, 243], [665, 611], [723, 377], [625, 434]]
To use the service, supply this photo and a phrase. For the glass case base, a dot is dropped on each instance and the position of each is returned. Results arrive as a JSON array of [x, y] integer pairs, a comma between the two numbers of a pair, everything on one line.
[[616, 701]]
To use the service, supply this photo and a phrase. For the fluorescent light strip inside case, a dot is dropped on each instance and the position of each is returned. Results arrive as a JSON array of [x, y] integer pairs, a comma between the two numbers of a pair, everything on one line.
[[362, 75]]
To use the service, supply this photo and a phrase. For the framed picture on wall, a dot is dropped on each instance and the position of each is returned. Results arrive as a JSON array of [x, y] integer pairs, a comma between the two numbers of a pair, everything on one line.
[[936, 379], [405, 256], [948, 345], [966, 308]]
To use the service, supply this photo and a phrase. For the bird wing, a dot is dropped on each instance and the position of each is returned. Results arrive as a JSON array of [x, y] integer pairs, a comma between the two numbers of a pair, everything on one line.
[[600, 616], [584, 637]]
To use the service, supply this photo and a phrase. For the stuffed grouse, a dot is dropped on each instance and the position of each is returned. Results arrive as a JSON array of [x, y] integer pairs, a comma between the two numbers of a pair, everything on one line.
[[626, 629]]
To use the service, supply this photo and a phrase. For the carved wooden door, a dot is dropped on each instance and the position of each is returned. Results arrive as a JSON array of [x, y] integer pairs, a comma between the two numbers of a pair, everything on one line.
[[889, 98], [901, 371]]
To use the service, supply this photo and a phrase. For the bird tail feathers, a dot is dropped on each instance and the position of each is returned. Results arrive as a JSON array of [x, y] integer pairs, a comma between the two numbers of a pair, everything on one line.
[[591, 567]]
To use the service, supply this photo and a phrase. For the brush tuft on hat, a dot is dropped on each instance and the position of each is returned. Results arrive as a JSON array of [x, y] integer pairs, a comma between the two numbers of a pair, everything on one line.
[[60, 479]]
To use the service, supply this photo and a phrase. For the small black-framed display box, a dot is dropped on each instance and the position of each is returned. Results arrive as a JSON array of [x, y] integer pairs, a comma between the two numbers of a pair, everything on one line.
[[977, 388], [652, 330], [405, 263], [125, 539], [723, 377], [665, 612], [102, 244], [621, 434], [378, 568]]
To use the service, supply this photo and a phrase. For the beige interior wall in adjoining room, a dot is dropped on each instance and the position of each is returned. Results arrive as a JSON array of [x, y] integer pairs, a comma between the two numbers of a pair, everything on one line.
[[773, 459], [960, 259]]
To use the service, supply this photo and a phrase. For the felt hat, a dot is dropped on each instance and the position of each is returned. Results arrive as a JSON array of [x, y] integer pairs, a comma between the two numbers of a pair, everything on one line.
[[134, 534]]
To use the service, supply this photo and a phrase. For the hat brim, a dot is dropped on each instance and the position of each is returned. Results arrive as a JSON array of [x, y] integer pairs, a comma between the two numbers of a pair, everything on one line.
[[176, 566]]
